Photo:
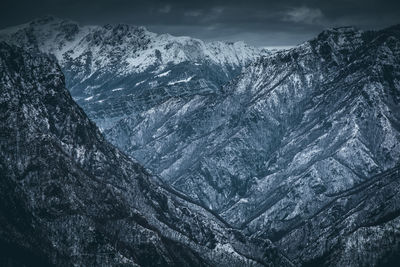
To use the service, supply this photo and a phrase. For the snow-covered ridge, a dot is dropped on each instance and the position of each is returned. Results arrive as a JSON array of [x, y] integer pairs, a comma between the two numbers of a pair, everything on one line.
[[97, 60], [102, 190], [134, 47]]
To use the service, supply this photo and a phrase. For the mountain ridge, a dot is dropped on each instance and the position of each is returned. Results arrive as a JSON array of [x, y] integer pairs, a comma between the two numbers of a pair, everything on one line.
[[68, 197], [276, 143]]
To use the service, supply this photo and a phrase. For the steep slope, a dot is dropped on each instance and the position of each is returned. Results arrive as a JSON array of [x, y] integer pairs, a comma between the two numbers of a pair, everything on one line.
[[334, 104], [114, 71], [297, 149], [294, 132], [357, 227], [67, 197], [297, 129], [314, 120]]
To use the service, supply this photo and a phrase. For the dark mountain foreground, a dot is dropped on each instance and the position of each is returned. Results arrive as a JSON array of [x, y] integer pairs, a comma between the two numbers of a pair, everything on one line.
[[67, 197]]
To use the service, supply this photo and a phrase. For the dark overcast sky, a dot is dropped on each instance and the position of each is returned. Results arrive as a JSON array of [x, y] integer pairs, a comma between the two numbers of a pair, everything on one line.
[[260, 23]]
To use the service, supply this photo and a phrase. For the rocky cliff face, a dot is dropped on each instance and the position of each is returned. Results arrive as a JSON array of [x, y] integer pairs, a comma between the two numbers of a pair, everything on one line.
[[356, 227], [116, 71], [67, 197], [276, 148], [314, 126], [308, 122], [303, 147], [326, 115]]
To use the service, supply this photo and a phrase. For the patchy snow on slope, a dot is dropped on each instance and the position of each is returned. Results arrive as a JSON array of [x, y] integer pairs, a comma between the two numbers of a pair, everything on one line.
[[139, 83], [181, 81], [163, 74], [136, 48]]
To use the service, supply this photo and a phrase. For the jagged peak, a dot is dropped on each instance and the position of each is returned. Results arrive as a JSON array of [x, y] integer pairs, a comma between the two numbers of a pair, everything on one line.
[[335, 33], [343, 29], [124, 27], [393, 30], [44, 24], [50, 26], [45, 20], [50, 20], [394, 27]]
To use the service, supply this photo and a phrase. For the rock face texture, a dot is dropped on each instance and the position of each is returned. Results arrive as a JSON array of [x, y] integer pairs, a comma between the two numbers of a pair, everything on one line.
[[303, 147], [357, 227], [114, 71], [329, 111], [67, 197]]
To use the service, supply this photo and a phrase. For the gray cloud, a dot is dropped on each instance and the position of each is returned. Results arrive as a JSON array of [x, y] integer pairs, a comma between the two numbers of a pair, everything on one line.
[[304, 15], [258, 22], [193, 13], [165, 9]]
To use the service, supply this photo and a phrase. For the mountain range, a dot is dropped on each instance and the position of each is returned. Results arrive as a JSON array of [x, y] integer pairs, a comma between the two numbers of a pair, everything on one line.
[[114, 71], [299, 146], [70, 198]]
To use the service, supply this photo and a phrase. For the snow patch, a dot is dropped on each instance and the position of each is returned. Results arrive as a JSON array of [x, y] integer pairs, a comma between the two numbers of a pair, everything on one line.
[[163, 74], [243, 200], [181, 81], [139, 83]]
